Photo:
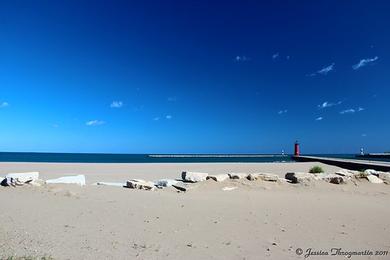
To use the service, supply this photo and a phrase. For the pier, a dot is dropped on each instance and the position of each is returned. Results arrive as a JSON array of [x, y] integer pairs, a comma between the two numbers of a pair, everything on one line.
[[346, 163], [374, 155], [215, 155]]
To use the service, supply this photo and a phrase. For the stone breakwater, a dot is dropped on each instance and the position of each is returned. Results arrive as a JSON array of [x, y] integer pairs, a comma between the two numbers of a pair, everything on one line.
[[187, 178]]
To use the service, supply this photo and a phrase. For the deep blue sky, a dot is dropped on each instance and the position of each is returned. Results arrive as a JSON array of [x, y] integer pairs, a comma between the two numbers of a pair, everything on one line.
[[194, 76]]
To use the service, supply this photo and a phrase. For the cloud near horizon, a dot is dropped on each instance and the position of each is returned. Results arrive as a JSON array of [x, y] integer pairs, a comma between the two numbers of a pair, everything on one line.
[[168, 117], [94, 123], [319, 118], [116, 104], [4, 104], [364, 62]]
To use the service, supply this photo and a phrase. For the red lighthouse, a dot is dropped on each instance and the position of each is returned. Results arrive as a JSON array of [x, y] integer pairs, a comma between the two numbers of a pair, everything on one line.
[[296, 149]]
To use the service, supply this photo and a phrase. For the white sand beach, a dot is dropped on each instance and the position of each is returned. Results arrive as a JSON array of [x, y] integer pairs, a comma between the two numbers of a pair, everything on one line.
[[257, 220]]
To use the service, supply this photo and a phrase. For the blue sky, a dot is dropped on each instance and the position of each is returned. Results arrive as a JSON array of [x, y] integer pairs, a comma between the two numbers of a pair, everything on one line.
[[194, 77]]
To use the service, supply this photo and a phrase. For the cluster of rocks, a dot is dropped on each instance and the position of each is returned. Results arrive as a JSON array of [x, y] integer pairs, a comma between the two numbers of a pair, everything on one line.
[[188, 177], [340, 177], [197, 176]]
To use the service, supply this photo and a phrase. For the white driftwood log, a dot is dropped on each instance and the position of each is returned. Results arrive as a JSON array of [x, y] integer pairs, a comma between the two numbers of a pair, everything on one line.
[[76, 179]]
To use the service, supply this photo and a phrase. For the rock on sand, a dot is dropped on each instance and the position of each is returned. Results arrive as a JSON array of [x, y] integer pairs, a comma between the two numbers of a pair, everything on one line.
[[194, 176]]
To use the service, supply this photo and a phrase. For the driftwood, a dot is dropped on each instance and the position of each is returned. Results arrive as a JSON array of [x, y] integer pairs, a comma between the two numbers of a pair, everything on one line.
[[180, 188], [77, 179]]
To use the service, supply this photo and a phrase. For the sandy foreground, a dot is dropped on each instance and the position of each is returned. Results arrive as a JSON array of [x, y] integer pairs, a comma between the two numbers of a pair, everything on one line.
[[258, 220]]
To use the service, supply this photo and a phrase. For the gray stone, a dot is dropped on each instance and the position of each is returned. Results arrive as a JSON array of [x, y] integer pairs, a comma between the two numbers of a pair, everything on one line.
[[299, 177], [371, 171], [373, 179], [335, 179], [346, 173], [165, 182], [194, 176], [237, 176], [331, 178], [268, 177], [218, 177], [140, 184], [385, 176], [252, 177], [19, 179], [361, 175]]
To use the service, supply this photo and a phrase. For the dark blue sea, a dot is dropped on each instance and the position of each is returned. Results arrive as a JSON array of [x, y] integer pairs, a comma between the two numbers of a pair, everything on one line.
[[138, 158], [154, 158]]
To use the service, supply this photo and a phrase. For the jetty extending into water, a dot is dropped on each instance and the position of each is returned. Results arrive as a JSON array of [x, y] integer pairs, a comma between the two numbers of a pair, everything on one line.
[[346, 163], [215, 155], [374, 155]]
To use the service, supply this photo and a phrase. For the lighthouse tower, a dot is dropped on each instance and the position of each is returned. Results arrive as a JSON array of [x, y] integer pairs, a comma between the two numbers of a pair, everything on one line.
[[296, 149]]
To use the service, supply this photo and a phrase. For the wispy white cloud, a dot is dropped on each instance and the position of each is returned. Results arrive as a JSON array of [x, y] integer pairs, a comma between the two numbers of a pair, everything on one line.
[[239, 58], [324, 71], [319, 118], [282, 111], [156, 118], [327, 104], [364, 62], [348, 111], [364, 135], [4, 104], [351, 110], [277, 56], [94, 123], [168, 117], [116, 104]]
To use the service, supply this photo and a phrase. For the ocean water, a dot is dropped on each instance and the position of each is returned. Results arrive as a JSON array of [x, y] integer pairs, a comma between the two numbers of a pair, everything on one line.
[[138, 158], [158, 158]]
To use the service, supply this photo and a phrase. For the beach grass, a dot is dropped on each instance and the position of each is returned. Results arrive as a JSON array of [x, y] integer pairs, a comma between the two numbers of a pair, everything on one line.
[[316, 169]]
